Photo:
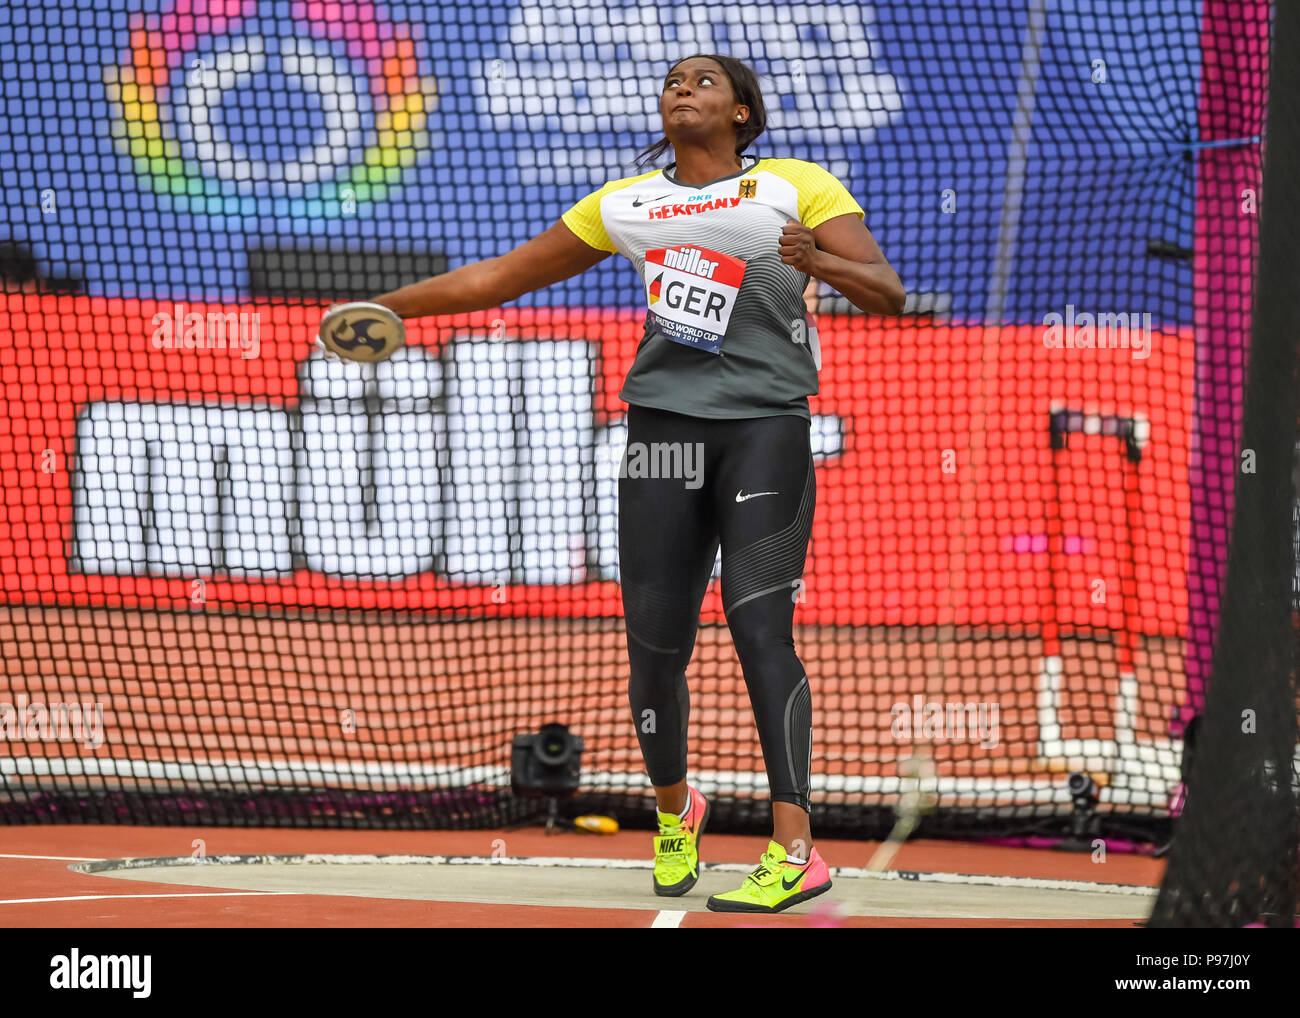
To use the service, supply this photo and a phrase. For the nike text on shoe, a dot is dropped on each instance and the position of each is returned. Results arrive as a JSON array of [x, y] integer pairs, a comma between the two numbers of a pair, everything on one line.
[[677, 847]]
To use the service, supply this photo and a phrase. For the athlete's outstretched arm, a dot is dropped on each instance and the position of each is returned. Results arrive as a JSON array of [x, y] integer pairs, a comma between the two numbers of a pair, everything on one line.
[[548, 258], [842, 252]]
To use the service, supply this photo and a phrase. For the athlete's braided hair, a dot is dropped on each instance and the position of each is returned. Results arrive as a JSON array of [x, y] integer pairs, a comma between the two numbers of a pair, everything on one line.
[[744, 83]]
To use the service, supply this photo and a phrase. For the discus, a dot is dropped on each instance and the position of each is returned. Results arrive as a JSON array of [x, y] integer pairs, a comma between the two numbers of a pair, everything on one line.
[[361, 331]]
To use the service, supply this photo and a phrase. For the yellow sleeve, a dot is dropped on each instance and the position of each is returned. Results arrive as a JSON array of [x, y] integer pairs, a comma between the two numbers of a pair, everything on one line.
[[821, 195], [584, 219]]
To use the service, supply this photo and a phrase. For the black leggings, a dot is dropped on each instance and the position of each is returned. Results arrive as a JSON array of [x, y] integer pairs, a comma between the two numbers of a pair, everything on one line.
[[687, 484]]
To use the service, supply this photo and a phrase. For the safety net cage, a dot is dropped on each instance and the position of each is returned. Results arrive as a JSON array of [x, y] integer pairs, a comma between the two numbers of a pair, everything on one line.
[[248, 584]]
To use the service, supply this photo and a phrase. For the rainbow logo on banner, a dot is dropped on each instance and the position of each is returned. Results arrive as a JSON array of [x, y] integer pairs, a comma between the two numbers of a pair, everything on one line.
[[356, 105]]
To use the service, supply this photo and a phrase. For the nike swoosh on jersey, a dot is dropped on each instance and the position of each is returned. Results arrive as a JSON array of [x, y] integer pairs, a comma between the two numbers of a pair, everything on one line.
[[742, 497], [638, 202]]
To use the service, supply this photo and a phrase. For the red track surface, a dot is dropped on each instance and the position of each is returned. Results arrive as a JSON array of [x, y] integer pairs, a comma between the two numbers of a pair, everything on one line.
[[134, 905], [208, 686]]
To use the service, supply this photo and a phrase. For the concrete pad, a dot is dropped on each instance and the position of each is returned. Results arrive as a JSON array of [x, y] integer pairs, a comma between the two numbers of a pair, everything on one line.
[[624, 884]]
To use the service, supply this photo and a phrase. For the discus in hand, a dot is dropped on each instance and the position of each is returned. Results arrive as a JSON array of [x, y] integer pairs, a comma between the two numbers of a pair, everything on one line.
[[361, 331]]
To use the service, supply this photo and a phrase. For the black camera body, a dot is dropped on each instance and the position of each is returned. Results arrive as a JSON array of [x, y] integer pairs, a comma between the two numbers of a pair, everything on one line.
[[547, 762]]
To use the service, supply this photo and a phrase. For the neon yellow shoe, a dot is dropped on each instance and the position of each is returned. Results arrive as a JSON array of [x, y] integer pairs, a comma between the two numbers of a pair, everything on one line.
[[775, 884], [677, 847]]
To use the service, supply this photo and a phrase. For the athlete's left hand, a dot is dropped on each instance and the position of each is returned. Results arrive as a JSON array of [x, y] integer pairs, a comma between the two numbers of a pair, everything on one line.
[[798, 248]]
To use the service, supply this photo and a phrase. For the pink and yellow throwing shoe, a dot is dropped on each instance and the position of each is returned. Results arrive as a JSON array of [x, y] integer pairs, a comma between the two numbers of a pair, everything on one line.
[[775, 884], [677, 847]]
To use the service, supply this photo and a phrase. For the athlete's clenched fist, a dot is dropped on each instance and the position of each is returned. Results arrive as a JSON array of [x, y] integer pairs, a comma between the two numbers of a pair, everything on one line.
[[797, 245]]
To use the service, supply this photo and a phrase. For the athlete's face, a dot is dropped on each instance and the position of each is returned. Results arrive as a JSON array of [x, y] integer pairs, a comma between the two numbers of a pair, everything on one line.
[[698, 102]]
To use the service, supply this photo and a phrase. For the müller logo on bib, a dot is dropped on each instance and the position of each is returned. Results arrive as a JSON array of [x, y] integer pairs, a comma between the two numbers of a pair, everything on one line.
[[691, 292]]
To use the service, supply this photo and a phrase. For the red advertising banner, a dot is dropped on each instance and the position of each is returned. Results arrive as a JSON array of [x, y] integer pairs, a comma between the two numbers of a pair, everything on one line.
[[937, 476]]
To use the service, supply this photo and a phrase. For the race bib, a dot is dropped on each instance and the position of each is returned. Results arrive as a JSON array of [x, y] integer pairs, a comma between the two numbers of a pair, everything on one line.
[[691, 292]]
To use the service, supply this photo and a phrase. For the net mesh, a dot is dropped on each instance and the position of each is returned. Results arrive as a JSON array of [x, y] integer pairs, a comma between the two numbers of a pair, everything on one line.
[[244, 584], [1234, 858]]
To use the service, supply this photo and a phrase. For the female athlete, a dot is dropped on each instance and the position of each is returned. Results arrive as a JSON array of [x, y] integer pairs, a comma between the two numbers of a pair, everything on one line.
[[725, 244]]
